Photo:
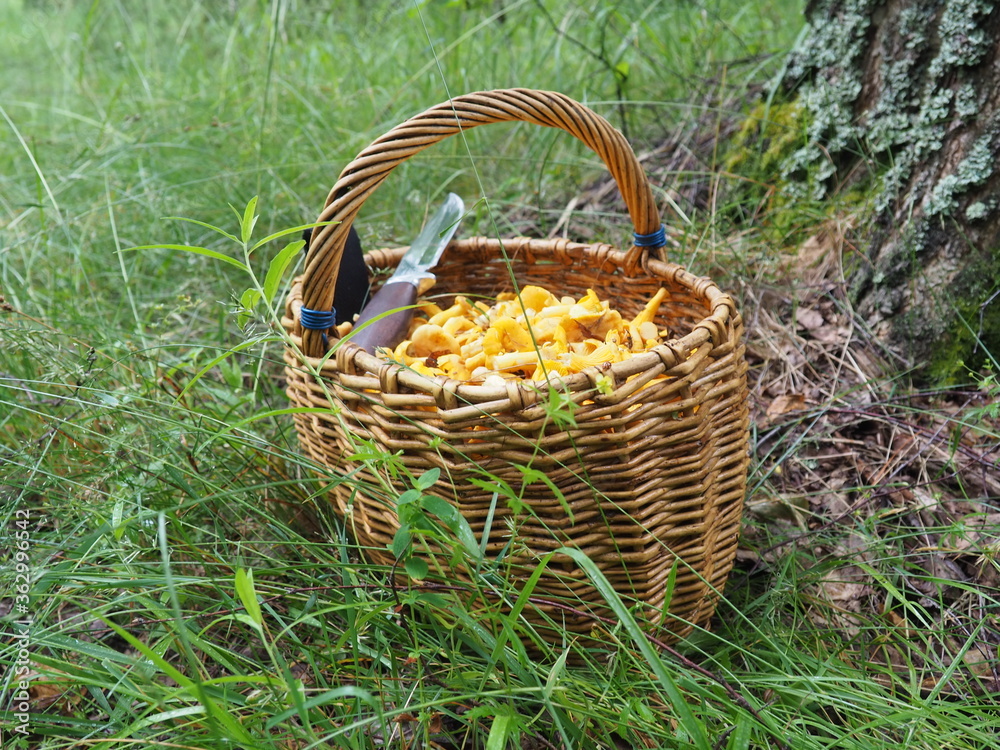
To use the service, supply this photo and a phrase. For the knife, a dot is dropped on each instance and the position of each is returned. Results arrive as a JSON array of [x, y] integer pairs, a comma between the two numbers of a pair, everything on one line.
[[400, 291]]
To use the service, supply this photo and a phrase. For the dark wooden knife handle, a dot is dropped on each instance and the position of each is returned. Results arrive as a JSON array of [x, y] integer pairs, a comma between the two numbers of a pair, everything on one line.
[[391, 329]]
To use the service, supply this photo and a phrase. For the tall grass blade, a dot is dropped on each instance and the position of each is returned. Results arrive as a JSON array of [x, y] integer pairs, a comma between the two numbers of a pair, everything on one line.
[[695, 730]]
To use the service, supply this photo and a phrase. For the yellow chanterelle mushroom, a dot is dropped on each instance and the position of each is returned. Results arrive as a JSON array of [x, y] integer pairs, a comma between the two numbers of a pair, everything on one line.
[[535, 336]]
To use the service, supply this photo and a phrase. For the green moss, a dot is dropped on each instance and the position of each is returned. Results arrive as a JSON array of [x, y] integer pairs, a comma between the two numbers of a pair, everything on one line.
[[974, 329], [766, 138], [959, 351], [756, 152]]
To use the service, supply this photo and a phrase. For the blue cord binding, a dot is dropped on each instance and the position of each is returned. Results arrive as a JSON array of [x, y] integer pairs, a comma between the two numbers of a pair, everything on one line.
[[317, 320], [656, 239]]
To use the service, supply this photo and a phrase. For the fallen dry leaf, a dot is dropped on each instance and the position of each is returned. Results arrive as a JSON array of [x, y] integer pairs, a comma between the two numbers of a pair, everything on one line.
[[817, 258], [785, 403], [774, 507], [54, 689], [831, 334], [809, 318]]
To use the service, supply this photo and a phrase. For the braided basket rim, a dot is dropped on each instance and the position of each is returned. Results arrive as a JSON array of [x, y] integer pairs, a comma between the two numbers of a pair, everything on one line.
[[347, 357]]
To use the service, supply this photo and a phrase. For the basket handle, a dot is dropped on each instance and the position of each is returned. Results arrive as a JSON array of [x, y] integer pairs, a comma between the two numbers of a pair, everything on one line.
[[363, 175]]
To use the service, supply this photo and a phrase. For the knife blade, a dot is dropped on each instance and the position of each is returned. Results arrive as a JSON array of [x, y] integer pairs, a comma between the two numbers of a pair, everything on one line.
[[399, 293]]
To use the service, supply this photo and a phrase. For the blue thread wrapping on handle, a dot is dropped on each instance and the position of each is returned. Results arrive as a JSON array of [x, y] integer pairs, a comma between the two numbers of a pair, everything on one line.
[[656, 239], [317, 320]]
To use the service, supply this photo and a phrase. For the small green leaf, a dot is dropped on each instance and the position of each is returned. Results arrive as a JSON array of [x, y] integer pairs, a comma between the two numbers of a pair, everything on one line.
[[504, 728], [484, 540], [668, 594], [192, 249], [401, 541], [560, 408], [156, 659], [410, 496], [232, 373], [740, 738], [552, 681], [277, 269], [643, 710], [117, 513], [502, 489], [248, 301], [454, 521], [108, 399], [426, 480], [164, 716], [440, 508], [249, 220], [527, 589], [494, 484], [416, 568], [621, 71], [247, 620], [248, 595]]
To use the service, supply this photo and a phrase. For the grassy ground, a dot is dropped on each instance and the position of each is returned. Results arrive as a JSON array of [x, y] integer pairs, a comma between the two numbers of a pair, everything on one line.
[[183, 593]]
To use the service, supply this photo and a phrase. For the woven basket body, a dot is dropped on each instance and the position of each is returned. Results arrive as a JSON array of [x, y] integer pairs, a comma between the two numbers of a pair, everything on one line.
[[653, 468]]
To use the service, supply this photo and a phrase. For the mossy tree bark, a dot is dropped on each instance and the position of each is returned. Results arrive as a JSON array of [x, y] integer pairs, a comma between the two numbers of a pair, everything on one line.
[[908, 92]]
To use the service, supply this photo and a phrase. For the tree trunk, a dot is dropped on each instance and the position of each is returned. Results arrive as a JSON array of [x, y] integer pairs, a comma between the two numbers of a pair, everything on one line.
[[907, 92]]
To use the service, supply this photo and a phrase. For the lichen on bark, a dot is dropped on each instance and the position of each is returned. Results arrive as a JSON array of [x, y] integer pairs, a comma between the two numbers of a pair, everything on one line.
[[910, 91]]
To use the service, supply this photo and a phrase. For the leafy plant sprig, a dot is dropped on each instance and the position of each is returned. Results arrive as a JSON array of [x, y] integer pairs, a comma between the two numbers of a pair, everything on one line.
[[432, 517], [260, 291]]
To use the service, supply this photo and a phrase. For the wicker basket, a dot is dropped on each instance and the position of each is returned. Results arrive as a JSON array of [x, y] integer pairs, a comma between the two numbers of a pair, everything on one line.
[[654, 469]]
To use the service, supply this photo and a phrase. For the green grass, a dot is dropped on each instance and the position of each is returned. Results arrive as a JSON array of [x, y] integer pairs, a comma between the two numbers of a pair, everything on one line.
[[187, 588]]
